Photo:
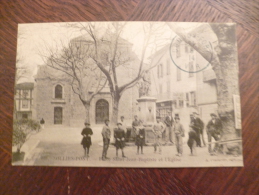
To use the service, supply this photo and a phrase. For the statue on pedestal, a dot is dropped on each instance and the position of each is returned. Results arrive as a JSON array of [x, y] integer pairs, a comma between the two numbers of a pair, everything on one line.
[[144, 85]]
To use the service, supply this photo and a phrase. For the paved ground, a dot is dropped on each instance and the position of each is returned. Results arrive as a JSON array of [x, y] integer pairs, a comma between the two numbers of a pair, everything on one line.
[[61, 147]]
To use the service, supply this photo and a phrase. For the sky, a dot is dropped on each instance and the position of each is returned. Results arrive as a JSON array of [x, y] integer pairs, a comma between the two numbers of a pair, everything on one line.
[[34, 38]]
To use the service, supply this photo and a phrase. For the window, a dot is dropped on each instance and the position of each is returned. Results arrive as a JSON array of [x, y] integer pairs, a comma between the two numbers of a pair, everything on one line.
[[191, 50], [174, 104], [168, 67], [161, 70], [25, 104], [58, 92], [180, 103], [187, 99], [178, 74], [24, 116], [25, 94], [193, 98], [191, 69]]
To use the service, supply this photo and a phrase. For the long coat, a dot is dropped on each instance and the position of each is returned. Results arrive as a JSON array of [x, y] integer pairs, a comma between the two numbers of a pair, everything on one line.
[[198, 125], [119, 136], [86, 141], [215, 127], [140, 139]]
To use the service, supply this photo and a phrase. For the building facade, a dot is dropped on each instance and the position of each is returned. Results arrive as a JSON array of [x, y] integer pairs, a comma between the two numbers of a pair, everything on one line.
[[183, 81], [58, 104], [174, 89], [24, 107]]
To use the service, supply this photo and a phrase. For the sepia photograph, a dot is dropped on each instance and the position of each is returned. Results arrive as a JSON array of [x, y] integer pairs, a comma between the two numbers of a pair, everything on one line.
[[127, 94]]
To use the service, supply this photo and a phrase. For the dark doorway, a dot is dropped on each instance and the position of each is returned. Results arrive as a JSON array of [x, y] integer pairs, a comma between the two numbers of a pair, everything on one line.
[[101, 111], [58, 115]]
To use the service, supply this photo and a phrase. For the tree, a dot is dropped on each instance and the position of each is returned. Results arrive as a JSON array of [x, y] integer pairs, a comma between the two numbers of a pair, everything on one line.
[[84, 77], [22, 130], [223, 59], [110, 52]]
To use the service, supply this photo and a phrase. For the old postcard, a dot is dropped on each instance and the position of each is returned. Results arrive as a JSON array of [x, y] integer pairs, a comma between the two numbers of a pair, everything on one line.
[[127, 94]]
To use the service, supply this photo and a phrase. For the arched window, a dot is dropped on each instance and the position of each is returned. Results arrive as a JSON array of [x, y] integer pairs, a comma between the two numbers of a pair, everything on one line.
[[58, 92]]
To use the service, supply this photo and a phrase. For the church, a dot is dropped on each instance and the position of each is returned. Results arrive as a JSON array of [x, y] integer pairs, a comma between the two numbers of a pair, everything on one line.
[[58, 104]]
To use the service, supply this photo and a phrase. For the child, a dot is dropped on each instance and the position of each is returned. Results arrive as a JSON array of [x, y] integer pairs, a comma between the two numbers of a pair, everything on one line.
[[86, 141], [119, 136], [192, 140], [140, 138]]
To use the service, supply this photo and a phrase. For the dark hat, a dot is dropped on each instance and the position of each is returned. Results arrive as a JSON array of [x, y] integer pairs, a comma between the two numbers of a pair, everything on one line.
[[122, 116], [177, 117], [158, 117], [106, 120], [212, 114], [191, 115], [119, 123]]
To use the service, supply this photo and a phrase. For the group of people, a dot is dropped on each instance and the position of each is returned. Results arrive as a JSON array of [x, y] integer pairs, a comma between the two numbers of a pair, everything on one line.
[[196, 135], [171, 130]]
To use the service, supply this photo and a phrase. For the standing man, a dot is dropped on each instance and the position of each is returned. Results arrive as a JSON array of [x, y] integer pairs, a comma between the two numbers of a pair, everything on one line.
[[214, 129], [106, 133], [169, 136], [135, 125], [179, 133], [119, 136], [158, 130], [198, 127]]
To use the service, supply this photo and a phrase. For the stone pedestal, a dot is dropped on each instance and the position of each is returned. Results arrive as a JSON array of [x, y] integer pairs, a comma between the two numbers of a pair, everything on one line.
[[147, 109], [147, 113]]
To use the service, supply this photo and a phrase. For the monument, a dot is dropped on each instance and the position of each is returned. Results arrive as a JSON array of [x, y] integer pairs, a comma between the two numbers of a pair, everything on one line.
[[147, 108]]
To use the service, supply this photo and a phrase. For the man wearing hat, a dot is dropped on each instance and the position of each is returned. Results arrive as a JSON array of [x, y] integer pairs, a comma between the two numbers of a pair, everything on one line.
[[214, 129], [169, 136], [158, 129], [198, 127], [119, 136], [179, 133], [106, 133], [86, 141]]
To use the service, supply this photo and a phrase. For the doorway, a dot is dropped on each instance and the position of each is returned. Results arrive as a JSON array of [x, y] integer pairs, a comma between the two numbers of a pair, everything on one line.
[[101, 111], [58, 115]]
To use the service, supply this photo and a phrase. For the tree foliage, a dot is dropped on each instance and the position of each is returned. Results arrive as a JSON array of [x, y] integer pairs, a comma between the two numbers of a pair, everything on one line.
[[22, 130]]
